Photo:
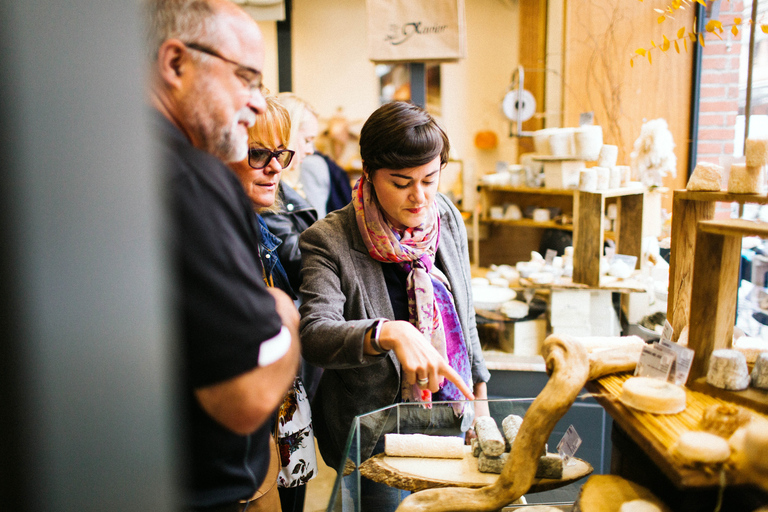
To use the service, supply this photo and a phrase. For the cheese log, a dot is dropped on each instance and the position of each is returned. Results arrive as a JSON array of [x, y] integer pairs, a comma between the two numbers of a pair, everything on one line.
[[419, 445], [608, 155], [759, 374], [476, 449], [701, 447], [639, 506], [724, 419], [706, 176], [588, 180], [603, 177], [756, 151], [510, 425], [489, 436], [728, 370], [744, 179], [488, 464], [751, 347], [654, 396], [550, 466]]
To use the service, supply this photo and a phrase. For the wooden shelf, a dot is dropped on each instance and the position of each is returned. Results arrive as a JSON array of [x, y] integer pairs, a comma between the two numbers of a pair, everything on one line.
[[529, 223], [529, 190], [756, 399], [655, 433]]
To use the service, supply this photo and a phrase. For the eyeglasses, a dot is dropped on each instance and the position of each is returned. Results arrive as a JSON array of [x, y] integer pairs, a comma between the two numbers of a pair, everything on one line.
[[259, 158], [250, 76]]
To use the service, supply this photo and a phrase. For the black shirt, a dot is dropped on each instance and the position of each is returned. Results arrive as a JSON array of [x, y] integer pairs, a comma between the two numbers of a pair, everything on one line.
[[224, 312]]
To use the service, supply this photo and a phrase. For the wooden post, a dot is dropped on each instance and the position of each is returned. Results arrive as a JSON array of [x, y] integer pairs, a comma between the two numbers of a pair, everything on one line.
[[588, 237], [686, 214], [714, 291], [629, 226]]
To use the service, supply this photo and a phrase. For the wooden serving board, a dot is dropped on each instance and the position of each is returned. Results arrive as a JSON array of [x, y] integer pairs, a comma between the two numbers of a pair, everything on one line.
[[419, 473]]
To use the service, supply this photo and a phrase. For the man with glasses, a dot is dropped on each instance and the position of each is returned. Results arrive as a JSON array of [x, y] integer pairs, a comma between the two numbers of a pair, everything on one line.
[[239, 340]]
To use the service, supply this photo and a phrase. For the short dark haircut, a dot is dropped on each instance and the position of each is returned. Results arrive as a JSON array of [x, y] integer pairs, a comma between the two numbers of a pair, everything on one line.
[[400, 135]]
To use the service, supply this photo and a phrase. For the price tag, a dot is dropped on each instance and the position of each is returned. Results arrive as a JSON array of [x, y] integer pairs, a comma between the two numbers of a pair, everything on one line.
[[568, 445], [655, 361], [666, 334], [678, 374], [549, 257]]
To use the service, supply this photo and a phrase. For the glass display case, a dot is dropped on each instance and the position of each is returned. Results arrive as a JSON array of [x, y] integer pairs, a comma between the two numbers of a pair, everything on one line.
[[440, 420]]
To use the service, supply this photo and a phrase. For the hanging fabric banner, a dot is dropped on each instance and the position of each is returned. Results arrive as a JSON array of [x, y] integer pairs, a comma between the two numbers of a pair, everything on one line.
[[416, 30]]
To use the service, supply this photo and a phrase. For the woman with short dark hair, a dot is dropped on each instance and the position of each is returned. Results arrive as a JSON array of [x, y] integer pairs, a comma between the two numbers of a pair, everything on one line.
[[386, 285]]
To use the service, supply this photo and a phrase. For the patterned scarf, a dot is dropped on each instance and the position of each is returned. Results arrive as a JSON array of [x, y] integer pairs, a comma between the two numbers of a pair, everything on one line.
[[430, 302]]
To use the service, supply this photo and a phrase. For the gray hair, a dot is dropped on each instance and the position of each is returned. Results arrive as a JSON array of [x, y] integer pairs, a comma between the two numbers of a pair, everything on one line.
[[187, 20]]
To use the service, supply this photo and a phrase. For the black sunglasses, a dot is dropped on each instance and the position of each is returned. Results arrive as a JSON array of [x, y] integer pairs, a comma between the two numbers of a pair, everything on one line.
[[259, 158]]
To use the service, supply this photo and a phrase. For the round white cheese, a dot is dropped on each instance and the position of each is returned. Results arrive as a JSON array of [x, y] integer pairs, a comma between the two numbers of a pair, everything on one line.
[[701, 447], [728, 370], [654, 396]]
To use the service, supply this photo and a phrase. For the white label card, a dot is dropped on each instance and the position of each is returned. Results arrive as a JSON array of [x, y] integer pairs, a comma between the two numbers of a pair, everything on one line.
[[568, 445], [666, 334], [549, 256], [655, 361], [678, 374]]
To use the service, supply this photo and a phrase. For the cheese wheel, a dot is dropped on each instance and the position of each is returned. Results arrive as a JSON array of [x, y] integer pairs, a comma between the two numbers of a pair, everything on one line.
[[654, 396], [756, 446], [639, 506], [756, 151], [706, 176], [745, 179], [759, 376], [701, 447], [728, 370], [419, 445], [588, 140], [724, 419]]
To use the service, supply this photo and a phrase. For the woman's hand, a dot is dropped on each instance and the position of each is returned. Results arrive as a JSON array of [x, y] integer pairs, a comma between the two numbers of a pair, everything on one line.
[[418, 358]]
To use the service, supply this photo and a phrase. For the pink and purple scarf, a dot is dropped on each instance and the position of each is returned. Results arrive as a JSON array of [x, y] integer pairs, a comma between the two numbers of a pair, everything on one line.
[[430, 302]]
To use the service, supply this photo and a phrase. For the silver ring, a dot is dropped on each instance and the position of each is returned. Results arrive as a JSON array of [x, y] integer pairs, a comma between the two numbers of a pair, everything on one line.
[[423, 382]]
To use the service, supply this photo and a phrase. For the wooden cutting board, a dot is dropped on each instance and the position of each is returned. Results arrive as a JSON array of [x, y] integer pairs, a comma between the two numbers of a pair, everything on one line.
[[418, 473]]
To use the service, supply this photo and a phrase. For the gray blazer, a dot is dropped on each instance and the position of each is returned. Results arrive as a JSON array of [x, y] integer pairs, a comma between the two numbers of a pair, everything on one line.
[[344, 292]]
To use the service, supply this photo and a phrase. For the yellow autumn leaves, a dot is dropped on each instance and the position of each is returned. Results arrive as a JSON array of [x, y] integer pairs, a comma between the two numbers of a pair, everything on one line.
[[713, 26]]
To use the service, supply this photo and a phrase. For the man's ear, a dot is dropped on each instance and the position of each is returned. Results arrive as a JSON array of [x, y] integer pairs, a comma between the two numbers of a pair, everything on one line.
[[172, 60]]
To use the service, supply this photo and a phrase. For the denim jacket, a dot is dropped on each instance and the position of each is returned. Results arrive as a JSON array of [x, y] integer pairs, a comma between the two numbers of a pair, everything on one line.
[[273, 269]]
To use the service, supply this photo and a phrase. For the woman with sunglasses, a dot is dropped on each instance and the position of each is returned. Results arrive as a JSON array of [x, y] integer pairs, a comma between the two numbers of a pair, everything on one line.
[[387, 305], [260, 175]]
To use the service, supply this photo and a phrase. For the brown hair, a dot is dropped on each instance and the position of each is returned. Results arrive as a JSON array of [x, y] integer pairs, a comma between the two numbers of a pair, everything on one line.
[[400, 135]]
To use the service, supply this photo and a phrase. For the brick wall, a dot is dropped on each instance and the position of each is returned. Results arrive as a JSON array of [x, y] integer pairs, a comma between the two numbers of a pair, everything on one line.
[[719, 91]]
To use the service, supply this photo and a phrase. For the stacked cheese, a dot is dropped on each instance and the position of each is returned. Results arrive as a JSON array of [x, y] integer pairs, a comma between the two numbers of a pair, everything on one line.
[[749, 177]]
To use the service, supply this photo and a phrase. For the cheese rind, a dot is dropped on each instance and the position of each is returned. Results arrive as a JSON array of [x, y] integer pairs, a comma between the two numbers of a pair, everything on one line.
[[728, 370], [654, 396], [701, 447], [419, 445], [706, 176]]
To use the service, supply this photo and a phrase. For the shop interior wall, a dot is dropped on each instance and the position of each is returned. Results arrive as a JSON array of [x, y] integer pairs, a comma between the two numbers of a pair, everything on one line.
[[600, 39], [331, 70]]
